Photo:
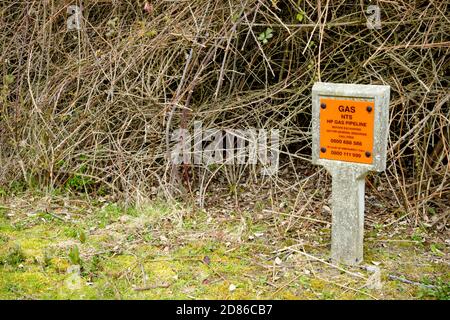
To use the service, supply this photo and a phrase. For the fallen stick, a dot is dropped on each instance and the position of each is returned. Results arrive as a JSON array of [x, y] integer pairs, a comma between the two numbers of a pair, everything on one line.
[[155, 286], [393, 277], [320, 260]]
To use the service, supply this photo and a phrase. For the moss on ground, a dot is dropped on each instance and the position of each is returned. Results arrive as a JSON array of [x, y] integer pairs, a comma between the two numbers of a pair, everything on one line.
[[162, 252]]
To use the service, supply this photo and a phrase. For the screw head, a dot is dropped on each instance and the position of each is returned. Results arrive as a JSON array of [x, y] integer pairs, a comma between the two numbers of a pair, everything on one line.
[[369, 109], [323, 149], [368, 154], [323, 105]]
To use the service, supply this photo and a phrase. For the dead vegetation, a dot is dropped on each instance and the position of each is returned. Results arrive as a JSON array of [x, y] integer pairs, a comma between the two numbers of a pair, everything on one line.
[[90, 110]]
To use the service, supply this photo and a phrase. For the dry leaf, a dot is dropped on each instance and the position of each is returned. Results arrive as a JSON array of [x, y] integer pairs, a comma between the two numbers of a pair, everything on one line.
[[148, 7]]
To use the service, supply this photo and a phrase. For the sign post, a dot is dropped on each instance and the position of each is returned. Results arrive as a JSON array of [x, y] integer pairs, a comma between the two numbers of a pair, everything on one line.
[[350, 125]]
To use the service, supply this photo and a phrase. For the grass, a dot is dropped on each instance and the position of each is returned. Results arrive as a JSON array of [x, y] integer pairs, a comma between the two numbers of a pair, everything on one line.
[[171, 252]]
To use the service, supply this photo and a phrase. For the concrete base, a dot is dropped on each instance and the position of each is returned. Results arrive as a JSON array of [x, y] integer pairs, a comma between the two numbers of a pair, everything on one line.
[[348, 189]]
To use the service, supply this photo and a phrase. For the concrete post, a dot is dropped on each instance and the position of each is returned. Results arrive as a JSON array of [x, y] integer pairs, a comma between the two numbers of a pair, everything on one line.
[[347, 204], [350, 125]]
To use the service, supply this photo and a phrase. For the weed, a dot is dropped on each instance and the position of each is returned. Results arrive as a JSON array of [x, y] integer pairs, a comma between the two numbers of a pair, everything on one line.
[[14, 257], [439, 291], [265, 35], [74, 255]]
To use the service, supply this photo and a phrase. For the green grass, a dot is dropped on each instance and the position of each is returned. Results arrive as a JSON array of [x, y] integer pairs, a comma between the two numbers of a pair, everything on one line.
[[169, 252]]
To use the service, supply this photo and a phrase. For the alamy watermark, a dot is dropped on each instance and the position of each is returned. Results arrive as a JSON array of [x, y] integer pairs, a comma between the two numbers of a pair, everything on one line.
[[75, 19], [226, 147], [374, 18], [74, 22]]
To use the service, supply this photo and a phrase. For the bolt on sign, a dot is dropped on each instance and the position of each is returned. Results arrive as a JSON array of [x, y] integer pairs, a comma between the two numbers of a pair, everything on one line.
[[350, 126]]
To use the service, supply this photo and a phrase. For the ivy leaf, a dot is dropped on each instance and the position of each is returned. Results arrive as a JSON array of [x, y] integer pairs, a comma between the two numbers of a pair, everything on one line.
[[300, 15]]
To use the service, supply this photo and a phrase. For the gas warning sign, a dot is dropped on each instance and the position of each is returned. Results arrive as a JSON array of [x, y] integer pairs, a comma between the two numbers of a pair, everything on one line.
[[346, 130]]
